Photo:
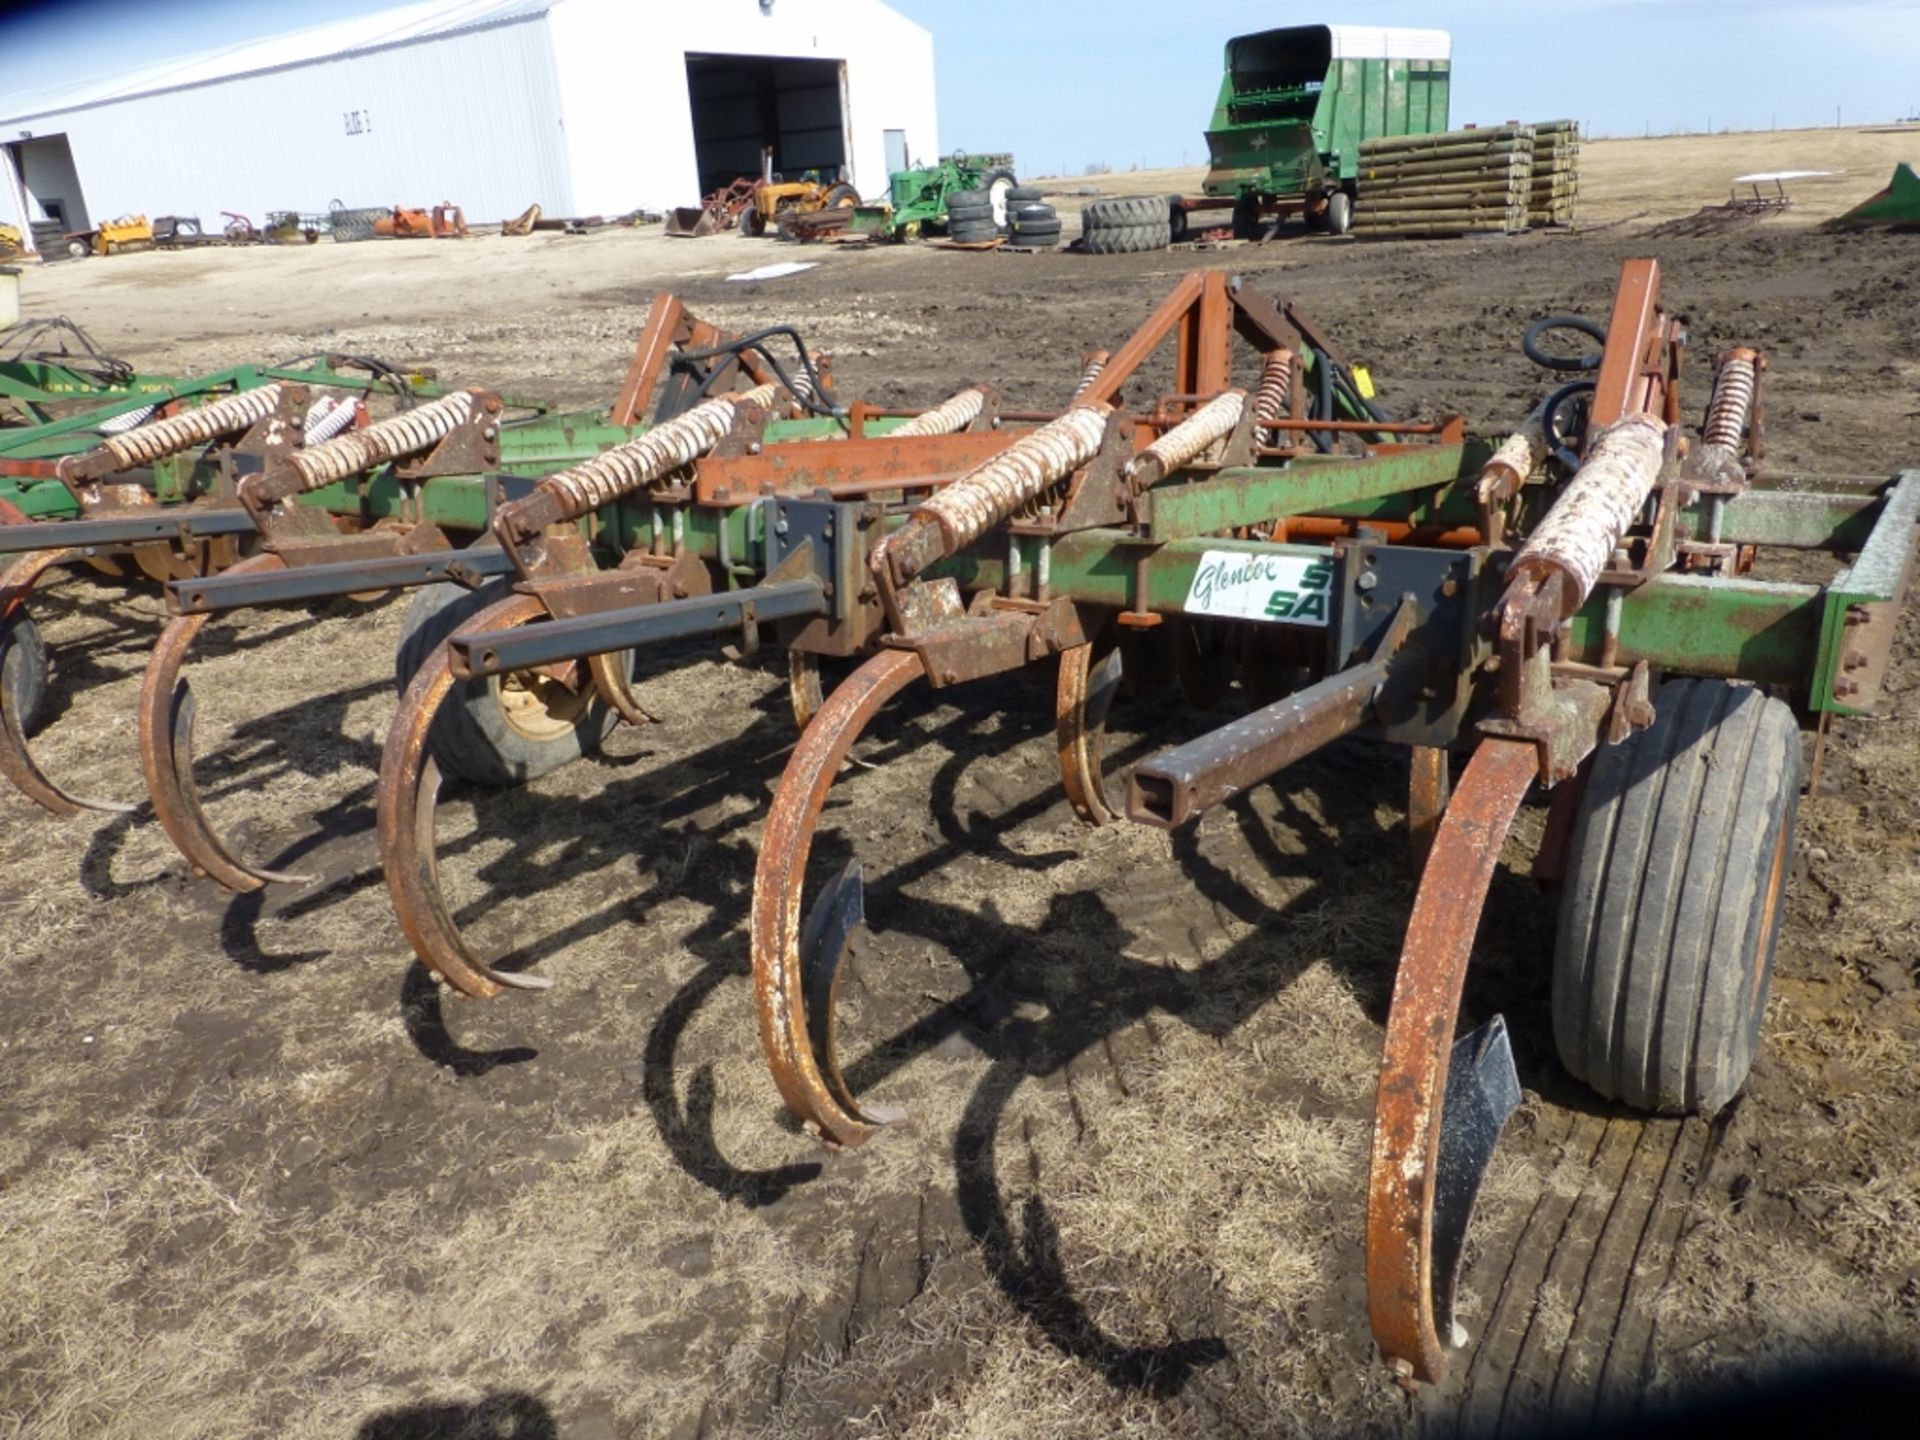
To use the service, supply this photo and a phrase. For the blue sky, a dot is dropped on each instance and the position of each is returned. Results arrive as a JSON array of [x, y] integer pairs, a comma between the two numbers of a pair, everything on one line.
[[1067, 83]]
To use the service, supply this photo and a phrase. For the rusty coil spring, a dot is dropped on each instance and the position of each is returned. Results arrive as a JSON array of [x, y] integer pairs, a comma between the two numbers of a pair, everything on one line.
[[1270, 396], [1095, 363], [1188, 440], [993, 490], [802, 388], [1732, 404], [663, 449], [949, 417], [1509, 466], [326, 418], [1585, 525], [148, 443], [392, 438]]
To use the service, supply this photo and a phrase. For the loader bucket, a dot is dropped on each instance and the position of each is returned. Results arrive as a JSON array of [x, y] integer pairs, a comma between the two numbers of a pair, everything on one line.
[[1896, 206], [691, 220]]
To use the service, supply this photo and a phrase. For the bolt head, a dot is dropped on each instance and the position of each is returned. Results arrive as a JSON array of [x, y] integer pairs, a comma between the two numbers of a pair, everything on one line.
[[1367, 580]]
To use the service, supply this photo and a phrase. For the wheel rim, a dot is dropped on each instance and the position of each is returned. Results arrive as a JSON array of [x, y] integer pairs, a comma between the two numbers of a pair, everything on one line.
[[997, 198], [539, 707]]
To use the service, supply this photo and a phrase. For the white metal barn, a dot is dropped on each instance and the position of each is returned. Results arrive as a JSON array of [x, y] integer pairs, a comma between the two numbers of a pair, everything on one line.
[[584, 106]]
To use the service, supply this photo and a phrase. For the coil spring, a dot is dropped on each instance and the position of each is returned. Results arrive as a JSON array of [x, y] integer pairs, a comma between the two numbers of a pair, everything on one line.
[[120, 424], [949, 417], [1732, 404], [1270, 396], [1585, 525], [148, 443], [1096, 362], [992, 491], [392, 438], [327, 417], [665, 448], [802, 388], [1189, 439]]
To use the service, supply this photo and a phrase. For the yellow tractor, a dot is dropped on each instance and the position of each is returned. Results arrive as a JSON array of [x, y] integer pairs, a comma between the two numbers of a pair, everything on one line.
[[774, 201], [129, 232]]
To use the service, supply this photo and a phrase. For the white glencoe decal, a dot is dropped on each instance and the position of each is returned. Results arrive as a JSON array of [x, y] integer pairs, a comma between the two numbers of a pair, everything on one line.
[[1294, 589]]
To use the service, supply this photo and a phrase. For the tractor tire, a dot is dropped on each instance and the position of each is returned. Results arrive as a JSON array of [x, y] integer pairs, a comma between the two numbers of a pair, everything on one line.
[[23, 670], [1017, 194], [1127, 239], [1127, 214], [1036, 232], [840, 197], [477, 735], [973, 232], [1339, 213], [1671, 912], [969, 200], [1177, 220], [752, 222], [998, 185], [969, 214], [79, 249]]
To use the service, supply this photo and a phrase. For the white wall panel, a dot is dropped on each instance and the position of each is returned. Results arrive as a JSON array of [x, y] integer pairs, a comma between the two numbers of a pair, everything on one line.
[[473, 117], [623, 83]]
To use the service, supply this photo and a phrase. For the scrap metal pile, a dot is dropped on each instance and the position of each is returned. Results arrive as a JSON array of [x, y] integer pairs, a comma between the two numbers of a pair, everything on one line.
[[1573, 609]]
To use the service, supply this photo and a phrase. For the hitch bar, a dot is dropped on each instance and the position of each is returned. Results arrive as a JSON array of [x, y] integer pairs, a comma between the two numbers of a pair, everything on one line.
[[181, 524], [477, 654], [341, 577]]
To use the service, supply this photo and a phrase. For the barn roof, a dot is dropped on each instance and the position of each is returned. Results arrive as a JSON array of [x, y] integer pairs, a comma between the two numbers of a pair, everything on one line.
[[337, 38]]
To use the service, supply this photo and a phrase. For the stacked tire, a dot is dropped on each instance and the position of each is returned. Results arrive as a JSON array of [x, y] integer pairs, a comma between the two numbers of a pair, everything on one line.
[[1130, 226], [977, 215], [1032, 224]]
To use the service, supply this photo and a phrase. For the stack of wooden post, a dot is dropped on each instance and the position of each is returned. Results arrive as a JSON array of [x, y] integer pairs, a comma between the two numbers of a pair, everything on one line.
[[1556, 173], [1414, 186]]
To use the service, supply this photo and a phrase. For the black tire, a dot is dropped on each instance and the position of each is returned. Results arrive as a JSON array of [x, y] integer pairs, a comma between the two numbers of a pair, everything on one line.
[[1672, 905], [1125, 214], [1128, 239], [753, 222], [998, 185], [23, 669], [980, 199], [1178, 221], [1339, 213], [1019, 193], [1037, 233], [969, 214], [1030, 210], [974, 232], [840, 197], [472, 736]]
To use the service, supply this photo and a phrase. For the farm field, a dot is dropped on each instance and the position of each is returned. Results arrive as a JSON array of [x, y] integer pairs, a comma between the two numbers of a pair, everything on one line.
[[258, 1177]]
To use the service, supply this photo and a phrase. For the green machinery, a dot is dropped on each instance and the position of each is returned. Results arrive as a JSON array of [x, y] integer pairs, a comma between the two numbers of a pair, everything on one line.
[[1296, 103], [1897, 206], [917, 199]]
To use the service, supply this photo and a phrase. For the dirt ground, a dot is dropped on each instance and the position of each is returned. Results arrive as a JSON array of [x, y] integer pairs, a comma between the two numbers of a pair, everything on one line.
[[257, 1177]]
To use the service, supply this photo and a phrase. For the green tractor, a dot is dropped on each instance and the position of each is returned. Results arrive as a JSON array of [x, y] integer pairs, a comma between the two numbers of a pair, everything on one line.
[[917, 201], [1296, 103]]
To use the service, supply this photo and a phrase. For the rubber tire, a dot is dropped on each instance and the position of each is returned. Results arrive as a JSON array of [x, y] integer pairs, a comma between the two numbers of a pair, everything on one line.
[[470, 737], [1672, 904], [1030, 210], [1021, 193], [1042, 232], [1179, 222], [969, 200], [752, 222], [840, 197], [969, 214], [973, 232], [1006, 179], [1128, 239], [1339, 213], [1128, 212], [23, 670]]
